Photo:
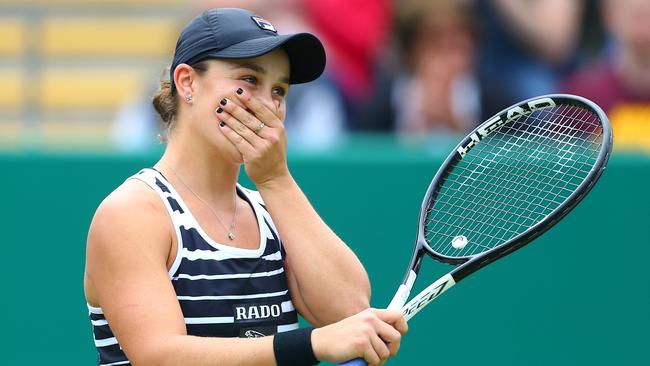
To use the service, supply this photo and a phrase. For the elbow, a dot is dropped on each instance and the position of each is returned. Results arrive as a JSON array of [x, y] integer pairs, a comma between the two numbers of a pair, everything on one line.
[[147, 358], [156, 353], [356, 301], [357, 304]]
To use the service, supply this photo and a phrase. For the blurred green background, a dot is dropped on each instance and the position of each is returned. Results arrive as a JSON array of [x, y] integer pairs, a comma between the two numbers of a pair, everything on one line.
[[578, 295]]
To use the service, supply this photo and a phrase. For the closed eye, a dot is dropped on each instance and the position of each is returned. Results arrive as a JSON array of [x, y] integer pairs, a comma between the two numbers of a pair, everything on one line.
[[250, 79]]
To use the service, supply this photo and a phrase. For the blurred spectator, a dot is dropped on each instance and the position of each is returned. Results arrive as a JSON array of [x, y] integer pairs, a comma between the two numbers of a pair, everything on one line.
[[620, 81], [136, 125], [316, 113], [354, 33], [525, 49], [432, 88]]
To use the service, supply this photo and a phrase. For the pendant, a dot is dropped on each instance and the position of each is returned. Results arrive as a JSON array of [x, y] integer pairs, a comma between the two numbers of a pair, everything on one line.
[[231, 236]]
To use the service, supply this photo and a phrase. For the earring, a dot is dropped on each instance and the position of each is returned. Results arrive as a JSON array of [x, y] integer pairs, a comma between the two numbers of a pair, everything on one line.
[[188, 97]]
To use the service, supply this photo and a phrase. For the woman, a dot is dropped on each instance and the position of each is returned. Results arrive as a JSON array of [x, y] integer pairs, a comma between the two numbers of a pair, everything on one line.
[[182, 260]]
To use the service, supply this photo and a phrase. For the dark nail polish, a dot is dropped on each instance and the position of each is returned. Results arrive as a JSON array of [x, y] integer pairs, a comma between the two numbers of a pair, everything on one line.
[[223, 101], [219, 110], [221, 124], [240, 91]]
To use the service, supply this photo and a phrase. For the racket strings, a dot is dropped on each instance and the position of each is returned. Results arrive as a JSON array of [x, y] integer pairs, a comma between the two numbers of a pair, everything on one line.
[[483, 221], [513, 179], [491, 215], [478, 193]]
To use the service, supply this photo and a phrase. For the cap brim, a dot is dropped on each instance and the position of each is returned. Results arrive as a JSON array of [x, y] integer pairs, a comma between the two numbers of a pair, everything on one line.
[[305, 51]]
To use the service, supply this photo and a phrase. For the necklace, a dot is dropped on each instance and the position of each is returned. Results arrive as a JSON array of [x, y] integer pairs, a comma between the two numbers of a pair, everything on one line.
[[231, 229]]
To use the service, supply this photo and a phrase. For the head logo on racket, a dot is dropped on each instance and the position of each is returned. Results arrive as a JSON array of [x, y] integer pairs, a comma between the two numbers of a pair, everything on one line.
[[497, 121]]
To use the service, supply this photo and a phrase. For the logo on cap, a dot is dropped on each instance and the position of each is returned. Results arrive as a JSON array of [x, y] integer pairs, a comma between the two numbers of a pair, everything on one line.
[[264, 24]]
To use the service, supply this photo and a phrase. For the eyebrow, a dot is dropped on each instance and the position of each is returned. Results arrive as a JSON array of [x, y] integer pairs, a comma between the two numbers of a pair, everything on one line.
[[258, 68]]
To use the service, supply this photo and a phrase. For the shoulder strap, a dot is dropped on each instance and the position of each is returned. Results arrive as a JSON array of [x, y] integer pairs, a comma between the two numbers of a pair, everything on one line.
[[157, 182]]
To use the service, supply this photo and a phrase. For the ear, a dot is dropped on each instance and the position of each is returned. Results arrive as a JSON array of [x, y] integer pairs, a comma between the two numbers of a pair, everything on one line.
[[183, 78]]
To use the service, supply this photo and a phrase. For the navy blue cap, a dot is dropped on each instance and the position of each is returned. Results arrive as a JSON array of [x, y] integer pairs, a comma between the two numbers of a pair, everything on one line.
[[232, 33]]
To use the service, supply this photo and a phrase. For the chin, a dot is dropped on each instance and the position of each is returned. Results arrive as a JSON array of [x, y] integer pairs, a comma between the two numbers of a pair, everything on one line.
[[239, 159], [232, 154]]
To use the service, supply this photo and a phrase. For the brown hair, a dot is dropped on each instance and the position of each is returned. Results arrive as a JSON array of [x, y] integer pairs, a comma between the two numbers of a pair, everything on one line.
[[165, 100]]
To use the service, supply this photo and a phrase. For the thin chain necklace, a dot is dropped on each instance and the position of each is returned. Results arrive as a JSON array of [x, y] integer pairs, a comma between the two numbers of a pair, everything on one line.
[[231, 229]]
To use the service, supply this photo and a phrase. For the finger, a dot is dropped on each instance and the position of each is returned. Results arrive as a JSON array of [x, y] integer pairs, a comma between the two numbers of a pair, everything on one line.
[[260, 110], [244, 147], [238, 127], [380, 347], [392, 317], [371, 356], [390, 335], [387, 332], [242, 115], [393, 347], [401, 325]]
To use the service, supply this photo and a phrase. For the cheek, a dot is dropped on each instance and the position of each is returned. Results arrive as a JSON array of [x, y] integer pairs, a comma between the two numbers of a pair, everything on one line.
[[282, 110], [203, 113], [215, 90]]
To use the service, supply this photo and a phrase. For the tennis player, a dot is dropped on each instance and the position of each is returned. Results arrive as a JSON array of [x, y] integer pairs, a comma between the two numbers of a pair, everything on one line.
[[186, 267]]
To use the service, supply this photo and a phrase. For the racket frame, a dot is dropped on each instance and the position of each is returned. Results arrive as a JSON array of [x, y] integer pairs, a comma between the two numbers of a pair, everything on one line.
[[468, 265]]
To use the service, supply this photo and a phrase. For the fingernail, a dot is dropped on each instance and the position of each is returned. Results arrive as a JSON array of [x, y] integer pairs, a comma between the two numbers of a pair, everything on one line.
[[223, 101], [219, 110], [221, 124], [240, 91]]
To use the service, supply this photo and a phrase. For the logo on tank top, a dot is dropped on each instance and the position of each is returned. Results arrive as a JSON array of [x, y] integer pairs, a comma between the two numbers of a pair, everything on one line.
[[258, 332], [257, 312]]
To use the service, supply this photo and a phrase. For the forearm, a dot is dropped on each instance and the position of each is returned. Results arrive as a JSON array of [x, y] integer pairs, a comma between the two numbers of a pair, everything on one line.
[[207, 351], [323, 266], [530, 20]]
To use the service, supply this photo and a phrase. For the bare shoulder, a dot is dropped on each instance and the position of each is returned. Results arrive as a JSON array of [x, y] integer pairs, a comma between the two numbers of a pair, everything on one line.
[[131, 201], [132, 215]]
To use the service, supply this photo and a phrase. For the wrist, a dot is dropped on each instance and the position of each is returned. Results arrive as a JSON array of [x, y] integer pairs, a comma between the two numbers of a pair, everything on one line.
[[294, 347], [317, 344], [279, 181]]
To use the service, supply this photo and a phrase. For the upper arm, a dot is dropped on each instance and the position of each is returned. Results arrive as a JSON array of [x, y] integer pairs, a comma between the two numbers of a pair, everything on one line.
[[297, 299], [127, 249]]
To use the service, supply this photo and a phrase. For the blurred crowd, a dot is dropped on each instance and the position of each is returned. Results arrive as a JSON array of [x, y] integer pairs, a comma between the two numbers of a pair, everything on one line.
[[425, 67]]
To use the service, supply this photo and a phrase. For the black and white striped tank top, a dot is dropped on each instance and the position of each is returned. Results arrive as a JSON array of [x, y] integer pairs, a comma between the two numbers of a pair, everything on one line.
[[223, 291]]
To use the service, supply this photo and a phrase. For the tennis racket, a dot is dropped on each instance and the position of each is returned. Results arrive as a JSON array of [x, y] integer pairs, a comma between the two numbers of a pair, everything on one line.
[[506, 183]]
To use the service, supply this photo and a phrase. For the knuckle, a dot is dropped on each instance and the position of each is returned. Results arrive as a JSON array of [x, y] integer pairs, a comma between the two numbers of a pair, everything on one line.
[[367, 318], [368, 331], [384, 353], [240, 128], [359, 343], [249, 120], [266, 145], [273, 138]]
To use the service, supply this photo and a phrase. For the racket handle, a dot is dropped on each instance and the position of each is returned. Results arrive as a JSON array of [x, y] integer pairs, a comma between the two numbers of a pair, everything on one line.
[[398, 301], [355, 362]]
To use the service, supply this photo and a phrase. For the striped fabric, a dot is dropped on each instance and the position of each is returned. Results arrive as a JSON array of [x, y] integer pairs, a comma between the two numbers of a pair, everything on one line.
[[223, 291]]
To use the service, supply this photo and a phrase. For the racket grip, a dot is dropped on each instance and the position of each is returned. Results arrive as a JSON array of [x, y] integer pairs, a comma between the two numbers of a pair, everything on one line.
[[355, 362]]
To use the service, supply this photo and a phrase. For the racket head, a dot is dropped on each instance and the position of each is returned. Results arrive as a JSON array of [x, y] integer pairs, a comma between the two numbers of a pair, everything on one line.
[[491, 195]]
